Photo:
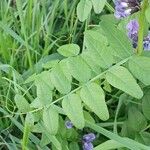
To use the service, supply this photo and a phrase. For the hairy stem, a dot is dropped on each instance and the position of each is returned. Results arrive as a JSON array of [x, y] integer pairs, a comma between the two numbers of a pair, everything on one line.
[[141, 27]]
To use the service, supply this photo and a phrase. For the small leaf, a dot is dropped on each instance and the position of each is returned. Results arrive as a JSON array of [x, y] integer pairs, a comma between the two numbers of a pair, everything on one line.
[[38, 128], [146, 137], [121, 78], [46, 139], [50, 64], [146, 104], [69, 50], [22, 103], [36, 103], [29, 120], [117, 40], [83, 9], [44, 87], [50, 119], [97, 47], [55, 142], [93, 96], [61, 77], [79, 69], [136, 119], [92, 63], [107, 86], [30, 79], [88, 116], [74, 146], [98, 5], [73, 109], [140, 68]]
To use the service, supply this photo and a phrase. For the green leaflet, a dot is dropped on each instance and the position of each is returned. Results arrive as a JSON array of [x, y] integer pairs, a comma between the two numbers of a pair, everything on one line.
[[146, 104], [140, 68], [74, 146], [37, 128], [145, 136], [98, 5], [73, 109], [50, 120], [47, 138], [31, 78], [61, 77], [83, 9], [88, 116], [64, 144], [50, 64], [44, 87], [93, 96], [22, 103], [117, 40], [121, 78], [136, 120], [79, 69], [96, 68], [97, 36], [69, 50], [97, 47], [108, 145]]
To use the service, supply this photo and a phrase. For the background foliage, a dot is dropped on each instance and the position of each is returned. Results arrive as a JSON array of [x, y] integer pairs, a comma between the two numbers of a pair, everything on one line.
[[71, 60]]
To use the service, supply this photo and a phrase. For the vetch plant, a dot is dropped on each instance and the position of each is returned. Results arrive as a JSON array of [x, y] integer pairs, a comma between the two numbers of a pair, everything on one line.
[[91, 88]]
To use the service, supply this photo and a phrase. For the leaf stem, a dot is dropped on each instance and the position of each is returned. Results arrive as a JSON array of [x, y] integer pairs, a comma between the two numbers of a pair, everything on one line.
[[141, 27]]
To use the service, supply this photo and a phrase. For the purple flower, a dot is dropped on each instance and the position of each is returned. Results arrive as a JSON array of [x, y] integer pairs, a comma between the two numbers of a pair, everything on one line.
[[68, 124], [87, 141], [146, 42], [124, 8], [133, 27], [89, 137], [87, 146]]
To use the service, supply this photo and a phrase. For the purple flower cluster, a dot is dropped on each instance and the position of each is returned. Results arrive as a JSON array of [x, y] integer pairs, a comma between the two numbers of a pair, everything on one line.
[[133, 27], [124, 8], [87, 141]]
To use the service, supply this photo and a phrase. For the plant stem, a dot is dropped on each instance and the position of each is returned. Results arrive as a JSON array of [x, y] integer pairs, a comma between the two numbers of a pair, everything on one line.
[[141, 27], [110, 8]]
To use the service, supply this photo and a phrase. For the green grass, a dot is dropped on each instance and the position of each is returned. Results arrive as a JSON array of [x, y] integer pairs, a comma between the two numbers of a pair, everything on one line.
[[34, 29]]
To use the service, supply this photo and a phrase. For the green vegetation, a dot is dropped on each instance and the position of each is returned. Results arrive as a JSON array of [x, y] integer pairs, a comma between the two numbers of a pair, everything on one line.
[[71, 60]]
